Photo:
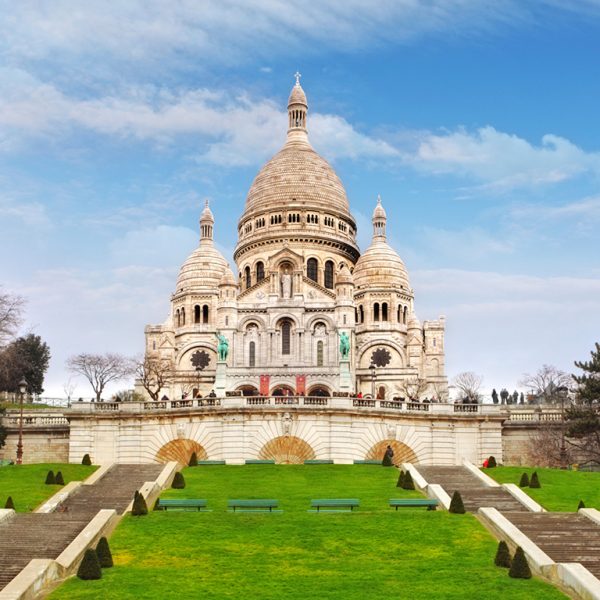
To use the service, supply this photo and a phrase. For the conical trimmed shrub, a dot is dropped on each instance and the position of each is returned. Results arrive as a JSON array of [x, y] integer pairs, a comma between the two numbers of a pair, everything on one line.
[[193, 460], [492, 462], [524, 482], [104, 554], [519, 569], [502, 555], [9, 503], [86, 460], [534, 481], [50, 479], [456, 504], [400, 480], [408, 483], [58, 479], [178, 481], [140, 507], [581, 504], [90, 566]]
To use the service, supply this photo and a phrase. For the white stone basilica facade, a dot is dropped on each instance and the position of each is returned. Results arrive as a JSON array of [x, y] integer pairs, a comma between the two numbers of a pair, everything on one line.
[[301, 284]]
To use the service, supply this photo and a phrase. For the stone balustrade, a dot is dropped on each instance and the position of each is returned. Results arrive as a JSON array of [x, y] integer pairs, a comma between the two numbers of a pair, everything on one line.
[[34, 419]]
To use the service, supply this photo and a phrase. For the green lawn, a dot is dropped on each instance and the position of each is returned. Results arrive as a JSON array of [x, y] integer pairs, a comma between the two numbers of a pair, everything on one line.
[[26, 405], [372, 553], [560, 491], [25, 483]]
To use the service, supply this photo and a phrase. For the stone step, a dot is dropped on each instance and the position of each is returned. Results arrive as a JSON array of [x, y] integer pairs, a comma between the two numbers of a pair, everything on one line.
[[36, 535]]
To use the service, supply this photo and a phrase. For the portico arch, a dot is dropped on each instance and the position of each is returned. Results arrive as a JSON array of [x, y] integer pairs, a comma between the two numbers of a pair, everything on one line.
[[180, 450], [402, 452], [287, 450]]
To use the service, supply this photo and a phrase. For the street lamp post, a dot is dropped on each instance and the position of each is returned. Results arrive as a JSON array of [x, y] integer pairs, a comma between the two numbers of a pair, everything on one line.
[[22, 392], [372, 368]]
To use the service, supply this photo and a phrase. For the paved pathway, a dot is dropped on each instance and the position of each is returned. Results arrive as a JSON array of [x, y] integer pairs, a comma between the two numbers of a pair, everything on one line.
[[34, 535]]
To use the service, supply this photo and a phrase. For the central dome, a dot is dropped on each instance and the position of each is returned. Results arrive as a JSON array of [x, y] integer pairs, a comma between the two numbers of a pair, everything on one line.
[[297, 176]]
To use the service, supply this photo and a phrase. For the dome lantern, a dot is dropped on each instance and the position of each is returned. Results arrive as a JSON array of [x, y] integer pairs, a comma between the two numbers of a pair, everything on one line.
[[297, 107], [379, 220], [207, 222]]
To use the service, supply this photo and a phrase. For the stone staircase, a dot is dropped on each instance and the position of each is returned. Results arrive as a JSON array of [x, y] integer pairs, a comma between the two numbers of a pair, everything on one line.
[[26, 536], [473, 491], [564, 537]]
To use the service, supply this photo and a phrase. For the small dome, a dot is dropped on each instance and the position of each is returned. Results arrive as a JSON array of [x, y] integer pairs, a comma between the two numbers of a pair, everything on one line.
[[228, 277], [413, 322], [381, 267], [206, 215], [379, 212], [203, 269], [297, 95], [344, 276]]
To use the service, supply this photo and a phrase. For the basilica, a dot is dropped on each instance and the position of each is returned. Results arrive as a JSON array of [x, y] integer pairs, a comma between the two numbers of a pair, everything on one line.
[[305, 313]]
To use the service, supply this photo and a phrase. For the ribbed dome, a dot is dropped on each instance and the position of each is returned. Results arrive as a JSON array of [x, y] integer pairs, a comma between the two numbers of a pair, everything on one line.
[[344, 276], [380, 267], [228, 278], [297, 95], [295, 176], [203, 269]]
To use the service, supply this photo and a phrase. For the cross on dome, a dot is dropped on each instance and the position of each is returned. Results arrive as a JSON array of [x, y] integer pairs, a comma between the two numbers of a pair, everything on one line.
[[297, 75]]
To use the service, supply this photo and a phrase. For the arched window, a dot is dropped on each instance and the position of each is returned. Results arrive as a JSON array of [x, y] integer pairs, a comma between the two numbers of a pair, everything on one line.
[[286, 330], [196, 314], [205, 313], [329, 275], [178, 318], [312, 269], [362, 313], [319, 354], [183, 316], [399, 314], [248, 277], [376, 311], [356, 315], [260, 271], [404, 315], [252, 354], [384, 311]]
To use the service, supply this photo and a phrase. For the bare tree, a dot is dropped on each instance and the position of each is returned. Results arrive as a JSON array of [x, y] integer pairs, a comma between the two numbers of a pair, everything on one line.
[[11, 316], [548, 383], [468, 384], [154, 374], [100, 369], [414, 387], [69, 388], [544, 447]]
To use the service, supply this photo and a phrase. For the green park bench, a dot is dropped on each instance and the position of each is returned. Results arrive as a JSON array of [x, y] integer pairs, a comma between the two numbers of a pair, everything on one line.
[[258, 461], [330, 504], [253, 505], [315, 461], [202, 463], [367, 462], [181, 504], [418, 502]]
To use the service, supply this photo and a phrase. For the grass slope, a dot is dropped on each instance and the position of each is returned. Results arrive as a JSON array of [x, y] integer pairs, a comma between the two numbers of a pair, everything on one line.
[[560, 491], [25, 483], [372, 553]]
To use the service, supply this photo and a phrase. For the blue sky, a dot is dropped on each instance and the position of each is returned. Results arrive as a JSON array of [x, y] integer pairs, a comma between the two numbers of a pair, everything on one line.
[[477, 122]]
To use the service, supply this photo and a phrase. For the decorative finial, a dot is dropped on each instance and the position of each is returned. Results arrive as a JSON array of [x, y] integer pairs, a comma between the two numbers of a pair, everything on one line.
[[206, 203], [378, 199], [297, 75]]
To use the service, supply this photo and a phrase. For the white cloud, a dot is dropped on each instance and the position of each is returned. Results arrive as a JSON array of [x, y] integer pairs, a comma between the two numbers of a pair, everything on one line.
[[235, 129], [152, 34], [31, 214], [503, 160], [586, 209]]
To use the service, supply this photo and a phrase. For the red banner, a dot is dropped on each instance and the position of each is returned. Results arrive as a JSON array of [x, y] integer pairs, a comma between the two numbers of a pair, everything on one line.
[[265, 381], [300, 385]]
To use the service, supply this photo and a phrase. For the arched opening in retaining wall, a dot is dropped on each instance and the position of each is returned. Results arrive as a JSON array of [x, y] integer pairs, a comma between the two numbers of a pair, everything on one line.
[[180, 451], [287, 450], [319, 390], [402, 453], [247, 390]]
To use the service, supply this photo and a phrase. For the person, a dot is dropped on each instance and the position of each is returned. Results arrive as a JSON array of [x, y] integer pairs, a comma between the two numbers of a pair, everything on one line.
[[359, 395], [486, 462], [389, 452], [212, 394]]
